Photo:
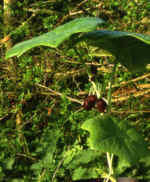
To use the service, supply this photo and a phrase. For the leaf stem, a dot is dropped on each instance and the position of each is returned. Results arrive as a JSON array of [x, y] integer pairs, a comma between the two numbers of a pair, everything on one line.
[[109, 95]]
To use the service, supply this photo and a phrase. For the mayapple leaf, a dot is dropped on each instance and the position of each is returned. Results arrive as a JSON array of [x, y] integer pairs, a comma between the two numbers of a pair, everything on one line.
[[57, 36], [109, 134], [130, 49]]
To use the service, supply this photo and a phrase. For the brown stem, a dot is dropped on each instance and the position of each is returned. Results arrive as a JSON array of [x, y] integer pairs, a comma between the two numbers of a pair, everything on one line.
[[7, 19], [59, 94]]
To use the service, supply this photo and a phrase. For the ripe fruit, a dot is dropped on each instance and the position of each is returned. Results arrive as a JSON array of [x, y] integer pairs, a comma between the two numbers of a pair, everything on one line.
[[101, 105], [89, 102]]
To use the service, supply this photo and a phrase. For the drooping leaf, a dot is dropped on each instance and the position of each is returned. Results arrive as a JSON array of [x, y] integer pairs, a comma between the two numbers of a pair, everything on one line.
[[108, 134], [57, 36], [130, 49]]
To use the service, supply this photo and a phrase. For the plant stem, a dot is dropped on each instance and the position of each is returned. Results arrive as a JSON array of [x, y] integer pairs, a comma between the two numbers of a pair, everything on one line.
[[110, 159], [109, 95]]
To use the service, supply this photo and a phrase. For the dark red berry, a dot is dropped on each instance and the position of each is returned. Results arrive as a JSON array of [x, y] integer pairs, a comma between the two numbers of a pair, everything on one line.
[[89, 102], [101, 105], [92, 98]]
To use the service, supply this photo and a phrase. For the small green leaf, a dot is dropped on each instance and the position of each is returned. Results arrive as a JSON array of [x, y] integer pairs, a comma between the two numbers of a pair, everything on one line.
[[130, 49], [122, 165], [81, 157], [108, 134], [85, 173], [84, 163], [9, 163], [57, 36]]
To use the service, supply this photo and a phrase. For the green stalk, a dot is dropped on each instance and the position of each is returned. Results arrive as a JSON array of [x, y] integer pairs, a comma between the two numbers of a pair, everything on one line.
[[109, 96]]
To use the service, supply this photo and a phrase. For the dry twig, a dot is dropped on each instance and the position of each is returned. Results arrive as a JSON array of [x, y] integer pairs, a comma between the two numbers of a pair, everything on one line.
[[59, 94], [131, 81]]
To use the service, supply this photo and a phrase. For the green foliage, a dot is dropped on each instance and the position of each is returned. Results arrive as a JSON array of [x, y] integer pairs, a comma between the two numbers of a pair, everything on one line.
[[129, 49], [109, 134], [84, 163], [57, 36], [85, 173], [26, 150], [46, 149], [121, 45]]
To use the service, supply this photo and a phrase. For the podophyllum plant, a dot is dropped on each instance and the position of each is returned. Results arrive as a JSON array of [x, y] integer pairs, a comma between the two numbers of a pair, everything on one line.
[[107, 133]]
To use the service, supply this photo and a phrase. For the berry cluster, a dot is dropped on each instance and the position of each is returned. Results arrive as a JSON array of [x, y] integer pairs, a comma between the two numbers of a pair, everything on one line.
[[93, 102]]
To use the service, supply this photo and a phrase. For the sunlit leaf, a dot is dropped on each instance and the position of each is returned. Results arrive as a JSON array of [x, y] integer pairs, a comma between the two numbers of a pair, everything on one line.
[[57, 36], [108, 134]]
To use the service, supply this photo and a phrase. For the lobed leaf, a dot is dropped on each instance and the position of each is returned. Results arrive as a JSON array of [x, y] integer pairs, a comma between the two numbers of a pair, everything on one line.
[[57, 36], [108, 134], [130, 49]]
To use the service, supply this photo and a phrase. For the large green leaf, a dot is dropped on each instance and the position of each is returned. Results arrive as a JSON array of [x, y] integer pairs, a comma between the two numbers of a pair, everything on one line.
[[108, 134], [57, 36], [130, 49]]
